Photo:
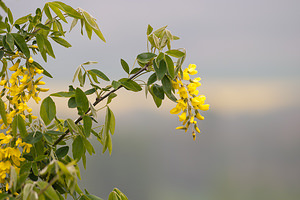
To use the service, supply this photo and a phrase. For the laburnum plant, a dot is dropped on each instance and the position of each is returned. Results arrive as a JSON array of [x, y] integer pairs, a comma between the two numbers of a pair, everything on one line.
[[36, 161]]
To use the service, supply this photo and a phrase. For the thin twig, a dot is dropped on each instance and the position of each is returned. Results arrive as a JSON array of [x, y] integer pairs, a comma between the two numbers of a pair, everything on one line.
[[98, 100]]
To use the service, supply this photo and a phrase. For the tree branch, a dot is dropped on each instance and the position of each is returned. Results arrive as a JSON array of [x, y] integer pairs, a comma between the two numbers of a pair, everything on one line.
[[98, 100]]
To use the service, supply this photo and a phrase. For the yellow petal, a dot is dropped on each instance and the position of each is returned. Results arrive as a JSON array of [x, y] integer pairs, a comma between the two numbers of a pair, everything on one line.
[[30, 60]]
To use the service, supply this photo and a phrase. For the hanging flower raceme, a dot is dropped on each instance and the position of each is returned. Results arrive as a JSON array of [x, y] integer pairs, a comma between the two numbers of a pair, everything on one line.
[[18, 89], [189, 105]]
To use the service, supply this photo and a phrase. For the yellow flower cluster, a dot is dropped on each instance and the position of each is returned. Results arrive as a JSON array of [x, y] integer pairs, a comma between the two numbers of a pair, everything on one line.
[[10, 156], [21, 87], [190, 101]]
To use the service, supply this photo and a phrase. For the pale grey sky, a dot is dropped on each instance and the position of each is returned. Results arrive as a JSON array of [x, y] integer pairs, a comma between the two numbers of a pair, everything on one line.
[[233, 38]]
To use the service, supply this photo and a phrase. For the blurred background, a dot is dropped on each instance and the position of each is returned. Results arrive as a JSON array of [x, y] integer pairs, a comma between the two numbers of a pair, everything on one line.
[[248, 56]]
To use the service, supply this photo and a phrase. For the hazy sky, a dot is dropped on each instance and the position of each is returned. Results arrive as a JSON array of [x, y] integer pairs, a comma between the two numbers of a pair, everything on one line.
[[233, 38]]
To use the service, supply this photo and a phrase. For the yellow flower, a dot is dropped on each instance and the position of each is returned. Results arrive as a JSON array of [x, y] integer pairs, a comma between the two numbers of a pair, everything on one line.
[[191, 69], [15, 66], [186, 75], [204, 107], [180, 127], [196, 128], [182, 117], [39, 71], [194, 135], [27, 147], [192, 120], [40, 83], [192, 88], [199, 116], [30, 60], [24, 79], [183, 93], [175, 110], [3, 82]]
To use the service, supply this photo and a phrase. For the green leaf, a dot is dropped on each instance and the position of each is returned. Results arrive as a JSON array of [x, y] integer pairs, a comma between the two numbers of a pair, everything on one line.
[[40, 41], [48, 138], [158, 91], [89, 30], [90, 63], [73, 24], [49, 192], [48, 110], [62, 151], [149, 29], [145, 57], [130, 84], [135, 70], [152, 79], [123, 196], [76, 73], [22, 20], [93, 197], [42, 26], [167, 85], [50, 132], [81, 100], [72, 126], [88, 146], [170, 66], [87, 125], [61, 42], [19, 123], [99, 74], [33, 138], [99, 34], [160, 57], [55, 9], [2, 112], [175, 53], [25, 168], [47, 11], [112, 121], [13, 179], [1, 56], [10, 40], [72, 102], [77, 147], [48, 48], [116, 84], [80, 78], [91, 21], [69, 10], [10, 16], [157, 100], [21, 43], [63, 94], [90, 91], [5, 45], [125, 66], [161, 70], [110, 97], [159, 31], [107, 137]]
